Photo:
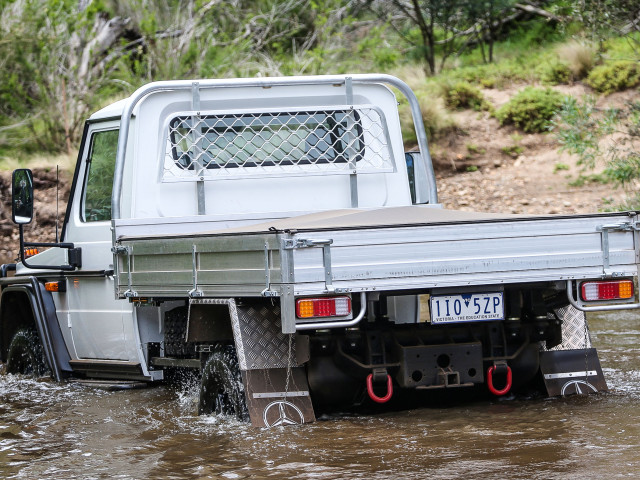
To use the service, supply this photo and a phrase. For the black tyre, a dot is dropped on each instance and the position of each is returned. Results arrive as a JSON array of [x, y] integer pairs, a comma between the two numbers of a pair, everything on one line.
[[221, 388], [25, 354]]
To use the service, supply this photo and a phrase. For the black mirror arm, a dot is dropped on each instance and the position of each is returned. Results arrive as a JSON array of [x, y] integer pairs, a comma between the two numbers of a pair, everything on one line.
[[74, 255]]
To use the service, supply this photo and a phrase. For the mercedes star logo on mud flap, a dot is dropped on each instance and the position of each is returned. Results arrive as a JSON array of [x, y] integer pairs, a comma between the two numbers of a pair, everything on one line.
[[577, 387], [282, 412]]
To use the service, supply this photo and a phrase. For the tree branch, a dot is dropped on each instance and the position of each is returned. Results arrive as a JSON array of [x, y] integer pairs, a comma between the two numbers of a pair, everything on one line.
[[537, 11]]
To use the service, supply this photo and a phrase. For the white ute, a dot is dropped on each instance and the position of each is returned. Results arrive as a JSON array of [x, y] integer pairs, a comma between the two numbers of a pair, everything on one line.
[[273, 235]]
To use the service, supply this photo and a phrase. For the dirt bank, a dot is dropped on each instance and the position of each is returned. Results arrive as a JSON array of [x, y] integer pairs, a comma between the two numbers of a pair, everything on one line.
[[43, 227], [497, 169]]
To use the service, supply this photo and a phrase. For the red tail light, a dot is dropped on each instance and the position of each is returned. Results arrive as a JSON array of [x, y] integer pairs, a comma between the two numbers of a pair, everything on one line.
[[30, 252], [607, 290], [323, 307]]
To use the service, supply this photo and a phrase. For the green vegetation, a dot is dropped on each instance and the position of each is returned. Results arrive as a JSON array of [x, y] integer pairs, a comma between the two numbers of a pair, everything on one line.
[[589, 178], [436, 118], [476, 150], [513, 151], [559, 167], [579, 126], [462, 94], [62, 59], [615, 76], [581, 129], [556, 73], [531, 109], [578, 57]]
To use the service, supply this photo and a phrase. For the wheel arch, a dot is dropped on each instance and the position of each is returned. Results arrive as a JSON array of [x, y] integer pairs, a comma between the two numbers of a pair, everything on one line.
[[28, 304], [15, 312]]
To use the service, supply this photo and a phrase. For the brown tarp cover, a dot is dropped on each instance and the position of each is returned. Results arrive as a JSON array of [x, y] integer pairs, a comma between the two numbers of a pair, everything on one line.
[[359, 218]]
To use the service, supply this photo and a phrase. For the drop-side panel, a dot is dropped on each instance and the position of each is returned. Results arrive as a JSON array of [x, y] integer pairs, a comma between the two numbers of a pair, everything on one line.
[[381, 258], [207, 265]]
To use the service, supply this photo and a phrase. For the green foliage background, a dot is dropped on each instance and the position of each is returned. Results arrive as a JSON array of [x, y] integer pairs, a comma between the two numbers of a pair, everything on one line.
[[62, 59]]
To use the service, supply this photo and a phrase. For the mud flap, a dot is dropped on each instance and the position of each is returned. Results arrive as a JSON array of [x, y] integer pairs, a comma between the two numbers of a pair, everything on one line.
[[571, 372], [275, 401], [573, 367], [276, 386]]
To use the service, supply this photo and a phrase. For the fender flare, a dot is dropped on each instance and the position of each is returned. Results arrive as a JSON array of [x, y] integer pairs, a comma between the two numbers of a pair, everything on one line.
[[44, 315]]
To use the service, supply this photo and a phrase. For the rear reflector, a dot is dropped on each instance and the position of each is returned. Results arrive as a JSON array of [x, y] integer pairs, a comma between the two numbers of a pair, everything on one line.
[[323, 307], [607, 290]]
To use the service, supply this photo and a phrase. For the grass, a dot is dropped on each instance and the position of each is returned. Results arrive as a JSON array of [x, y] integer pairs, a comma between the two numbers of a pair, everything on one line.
[[617, 48], [583, 180], [580, 57], [437, 119], [40, 161], [512, 151], [475, 149]]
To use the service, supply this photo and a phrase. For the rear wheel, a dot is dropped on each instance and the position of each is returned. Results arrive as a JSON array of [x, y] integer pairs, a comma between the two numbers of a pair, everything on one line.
[[221, 388], [25, 354]]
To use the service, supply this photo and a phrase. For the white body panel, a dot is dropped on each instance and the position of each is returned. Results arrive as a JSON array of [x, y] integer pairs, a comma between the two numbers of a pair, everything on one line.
[[261, 197], [95, 325]]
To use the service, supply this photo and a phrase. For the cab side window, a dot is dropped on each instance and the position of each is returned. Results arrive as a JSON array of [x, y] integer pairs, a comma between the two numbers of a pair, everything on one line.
[[100, 168]]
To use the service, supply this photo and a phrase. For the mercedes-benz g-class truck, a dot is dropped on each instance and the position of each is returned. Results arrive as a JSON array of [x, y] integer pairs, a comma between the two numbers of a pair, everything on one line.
[[273, 235]]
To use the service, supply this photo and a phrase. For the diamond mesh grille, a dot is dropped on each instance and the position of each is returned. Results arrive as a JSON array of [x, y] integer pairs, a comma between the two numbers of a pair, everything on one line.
[[311, 142]]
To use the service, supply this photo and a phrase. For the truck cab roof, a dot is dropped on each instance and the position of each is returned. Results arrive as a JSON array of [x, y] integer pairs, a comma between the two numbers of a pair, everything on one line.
[[110, 111]]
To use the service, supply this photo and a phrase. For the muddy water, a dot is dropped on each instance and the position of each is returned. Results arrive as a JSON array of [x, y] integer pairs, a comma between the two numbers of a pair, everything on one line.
[[54, 431]]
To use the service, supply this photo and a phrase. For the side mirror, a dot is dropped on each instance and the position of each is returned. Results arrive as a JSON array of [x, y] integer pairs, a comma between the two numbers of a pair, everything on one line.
[[418, 183], [22, 196]]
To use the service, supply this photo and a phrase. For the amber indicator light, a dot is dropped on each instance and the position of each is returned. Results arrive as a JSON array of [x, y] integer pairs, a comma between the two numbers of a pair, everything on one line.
[[30, 252], [59, 286]]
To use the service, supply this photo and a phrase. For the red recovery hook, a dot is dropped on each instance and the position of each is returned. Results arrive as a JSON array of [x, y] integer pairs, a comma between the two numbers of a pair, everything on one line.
[[493, 389], [372, 394]]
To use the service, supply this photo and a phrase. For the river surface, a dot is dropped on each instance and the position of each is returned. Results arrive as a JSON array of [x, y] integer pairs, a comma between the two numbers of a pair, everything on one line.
[[67, 431]]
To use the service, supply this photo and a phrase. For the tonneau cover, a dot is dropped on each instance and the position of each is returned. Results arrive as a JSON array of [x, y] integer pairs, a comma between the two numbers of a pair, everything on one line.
[[352, 218], [380, 217]]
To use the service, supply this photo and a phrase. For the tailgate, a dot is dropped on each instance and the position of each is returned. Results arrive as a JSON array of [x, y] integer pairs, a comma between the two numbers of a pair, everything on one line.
[[472, 253]]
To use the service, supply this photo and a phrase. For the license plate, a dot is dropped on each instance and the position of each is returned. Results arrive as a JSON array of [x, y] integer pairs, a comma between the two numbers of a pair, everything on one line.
[[468, 307]]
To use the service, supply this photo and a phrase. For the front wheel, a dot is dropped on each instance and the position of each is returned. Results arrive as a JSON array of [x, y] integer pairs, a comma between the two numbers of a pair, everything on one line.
[[25, 354], [221, 388]]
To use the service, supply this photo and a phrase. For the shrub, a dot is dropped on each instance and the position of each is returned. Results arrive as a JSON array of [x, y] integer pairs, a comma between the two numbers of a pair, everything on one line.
[[464, 95], [578, 57], [494, 75], [615, 76], [556, 73], [531, 109]]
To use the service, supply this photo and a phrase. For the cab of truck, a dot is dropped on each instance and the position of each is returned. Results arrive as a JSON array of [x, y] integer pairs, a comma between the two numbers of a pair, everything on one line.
[[201, 157]]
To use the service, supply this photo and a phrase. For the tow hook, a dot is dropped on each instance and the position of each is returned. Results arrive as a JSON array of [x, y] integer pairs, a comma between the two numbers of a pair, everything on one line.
[[500, 368], [379, 374]]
